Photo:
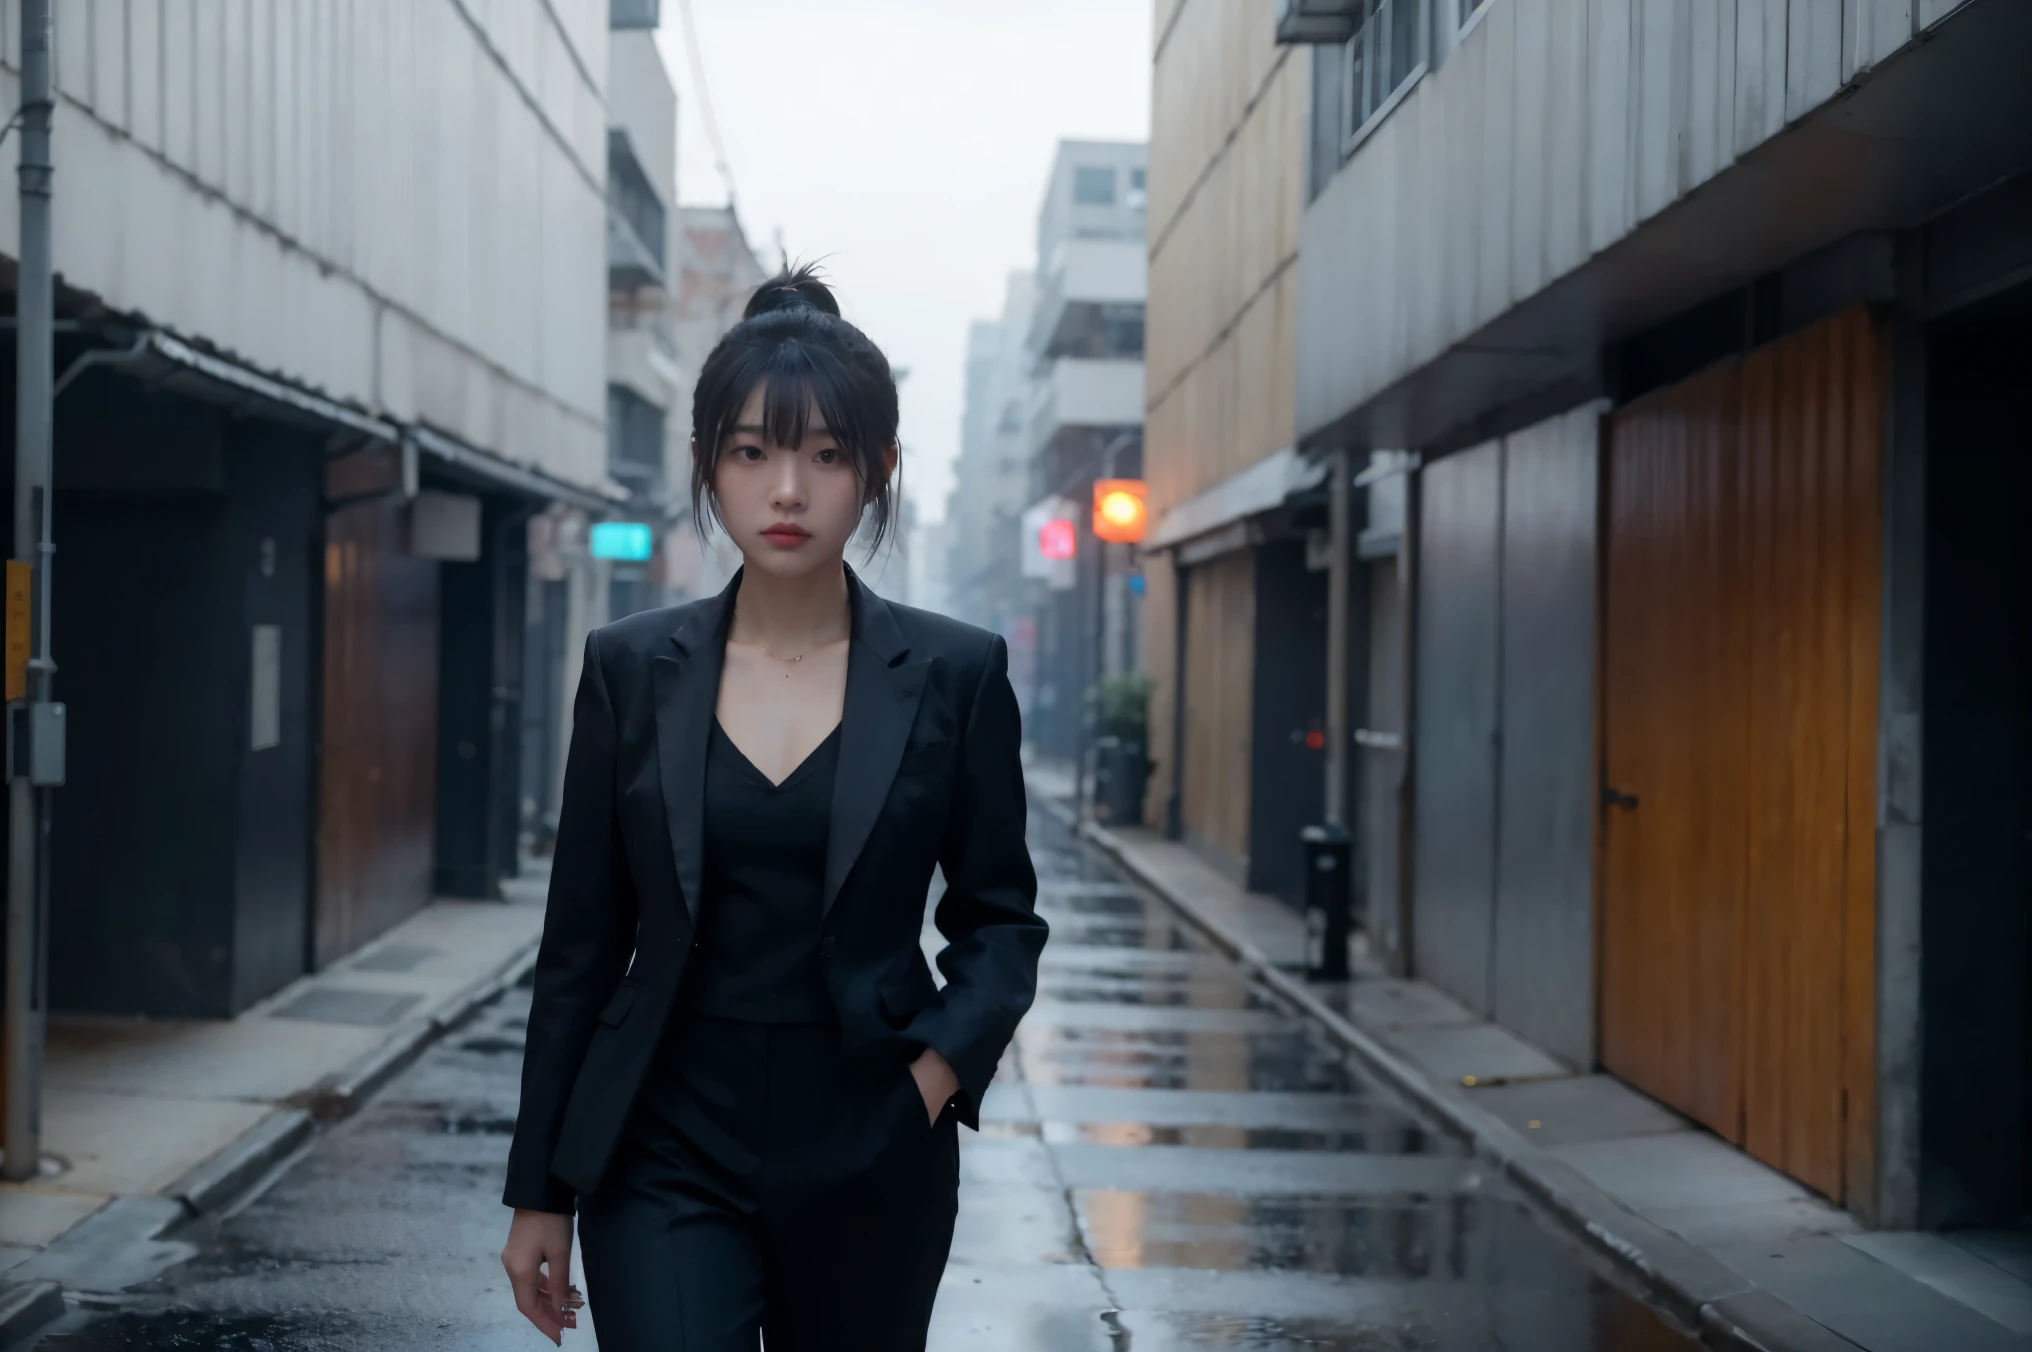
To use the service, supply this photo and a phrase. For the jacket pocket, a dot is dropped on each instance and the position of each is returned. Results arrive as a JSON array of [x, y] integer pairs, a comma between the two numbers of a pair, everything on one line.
[[617, 1005], [903, 993]]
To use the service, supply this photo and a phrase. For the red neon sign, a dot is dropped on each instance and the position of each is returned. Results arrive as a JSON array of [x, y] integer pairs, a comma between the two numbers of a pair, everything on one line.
[[1056, 539]]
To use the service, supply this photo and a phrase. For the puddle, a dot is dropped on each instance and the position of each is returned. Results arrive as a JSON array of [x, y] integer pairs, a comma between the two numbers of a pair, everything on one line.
[[176, 1330], [1216, 1136], [1242, 1183]]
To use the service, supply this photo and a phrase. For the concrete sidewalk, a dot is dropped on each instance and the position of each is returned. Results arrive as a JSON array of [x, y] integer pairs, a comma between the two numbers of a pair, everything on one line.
[[1752, 1257], [158, 1120]]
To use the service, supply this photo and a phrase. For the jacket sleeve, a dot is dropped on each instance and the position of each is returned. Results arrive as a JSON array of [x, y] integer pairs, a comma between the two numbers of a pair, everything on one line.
[[988, 914], [588, 934]]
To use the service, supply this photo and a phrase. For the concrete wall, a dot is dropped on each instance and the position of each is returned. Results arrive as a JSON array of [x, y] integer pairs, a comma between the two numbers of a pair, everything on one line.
[[1227, 162], [1547, 134], [397, 202], [642, 101]]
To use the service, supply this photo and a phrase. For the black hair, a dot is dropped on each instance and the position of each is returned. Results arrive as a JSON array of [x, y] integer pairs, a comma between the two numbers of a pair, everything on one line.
[[792, 339]]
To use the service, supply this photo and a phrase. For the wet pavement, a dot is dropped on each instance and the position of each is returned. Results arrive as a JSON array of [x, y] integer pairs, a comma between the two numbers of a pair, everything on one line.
[[1167, 1161]]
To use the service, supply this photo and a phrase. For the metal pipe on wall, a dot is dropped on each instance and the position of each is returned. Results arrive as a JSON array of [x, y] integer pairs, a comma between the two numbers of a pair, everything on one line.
[[1339, 563], [1403, 946], [21, 1024]]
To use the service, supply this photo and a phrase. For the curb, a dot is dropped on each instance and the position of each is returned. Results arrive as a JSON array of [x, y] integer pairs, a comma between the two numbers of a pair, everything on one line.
[[233, 1170], [26, 1307], [342, 1093], [1731, 1312]]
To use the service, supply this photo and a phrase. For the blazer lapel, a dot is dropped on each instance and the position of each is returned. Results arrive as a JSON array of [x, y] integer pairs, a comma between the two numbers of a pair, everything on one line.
[[881, 705], [687, 691]]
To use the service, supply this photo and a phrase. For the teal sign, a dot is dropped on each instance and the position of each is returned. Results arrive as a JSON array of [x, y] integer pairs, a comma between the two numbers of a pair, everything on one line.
[[623, 541]]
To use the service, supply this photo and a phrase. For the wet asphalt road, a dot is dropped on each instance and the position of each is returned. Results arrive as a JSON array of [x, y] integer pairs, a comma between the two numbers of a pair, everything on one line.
[[1168, 1161]]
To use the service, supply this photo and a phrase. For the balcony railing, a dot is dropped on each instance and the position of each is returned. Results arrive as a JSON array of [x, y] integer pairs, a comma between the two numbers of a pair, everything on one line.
[[637, 223], [1090, 301]]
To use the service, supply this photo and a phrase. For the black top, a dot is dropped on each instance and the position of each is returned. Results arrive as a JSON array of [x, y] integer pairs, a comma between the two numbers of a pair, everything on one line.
[[762, 900]]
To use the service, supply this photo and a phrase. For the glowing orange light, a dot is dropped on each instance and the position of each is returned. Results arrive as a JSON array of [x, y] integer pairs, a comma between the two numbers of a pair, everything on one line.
[[1121, 511], [1315, 740], [1057, 539]]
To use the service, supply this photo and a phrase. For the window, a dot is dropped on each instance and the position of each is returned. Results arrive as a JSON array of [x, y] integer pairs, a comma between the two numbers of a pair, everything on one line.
[[1139, 196], [634, 442], [1466, 12], [1385, 55], [1093, 186]]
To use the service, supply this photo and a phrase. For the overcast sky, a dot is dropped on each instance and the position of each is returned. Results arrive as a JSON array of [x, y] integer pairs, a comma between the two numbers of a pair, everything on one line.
[[905, 143]]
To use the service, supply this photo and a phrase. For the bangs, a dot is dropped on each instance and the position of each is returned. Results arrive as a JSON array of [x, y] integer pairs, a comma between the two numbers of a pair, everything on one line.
[[797, 380]]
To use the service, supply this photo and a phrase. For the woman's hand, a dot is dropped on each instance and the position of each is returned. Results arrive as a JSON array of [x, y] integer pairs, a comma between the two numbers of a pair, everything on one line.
[[538, 1259], [935, 1080]]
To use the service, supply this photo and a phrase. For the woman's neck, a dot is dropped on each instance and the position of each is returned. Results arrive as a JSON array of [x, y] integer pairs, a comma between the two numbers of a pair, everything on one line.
[[792, 613]]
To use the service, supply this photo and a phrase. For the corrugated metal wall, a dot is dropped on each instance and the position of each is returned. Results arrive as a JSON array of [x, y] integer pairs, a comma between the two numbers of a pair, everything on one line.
[[399, 202], [1549, 133], [1740, 708], [1505, 786], [1546, 795], [1459, 562]]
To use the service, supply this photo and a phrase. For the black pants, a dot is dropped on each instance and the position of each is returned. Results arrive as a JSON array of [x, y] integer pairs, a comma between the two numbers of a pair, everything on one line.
[[768, 1184]]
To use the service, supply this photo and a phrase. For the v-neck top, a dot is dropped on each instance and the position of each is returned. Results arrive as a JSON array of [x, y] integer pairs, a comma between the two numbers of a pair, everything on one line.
[[763, 889]]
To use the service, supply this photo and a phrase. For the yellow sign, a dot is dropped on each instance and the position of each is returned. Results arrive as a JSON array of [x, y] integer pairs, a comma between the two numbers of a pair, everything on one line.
[[18, 586]]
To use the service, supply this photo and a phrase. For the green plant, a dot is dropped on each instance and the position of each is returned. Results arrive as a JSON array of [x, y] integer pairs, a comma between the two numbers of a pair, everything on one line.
[[1119, 706]]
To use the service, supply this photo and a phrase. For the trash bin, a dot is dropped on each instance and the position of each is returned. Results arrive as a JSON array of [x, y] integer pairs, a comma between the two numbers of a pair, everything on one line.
[[1329, 870]]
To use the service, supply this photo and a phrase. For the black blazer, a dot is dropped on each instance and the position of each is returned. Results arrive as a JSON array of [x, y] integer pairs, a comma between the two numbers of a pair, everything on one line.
[[928, 775]]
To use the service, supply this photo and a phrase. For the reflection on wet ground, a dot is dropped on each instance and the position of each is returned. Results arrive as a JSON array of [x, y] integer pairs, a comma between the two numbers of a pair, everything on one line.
[[1227, 1179], [1168, 1162]]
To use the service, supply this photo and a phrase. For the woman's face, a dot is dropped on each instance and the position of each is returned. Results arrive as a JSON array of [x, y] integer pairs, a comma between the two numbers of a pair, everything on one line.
[[790, 509]]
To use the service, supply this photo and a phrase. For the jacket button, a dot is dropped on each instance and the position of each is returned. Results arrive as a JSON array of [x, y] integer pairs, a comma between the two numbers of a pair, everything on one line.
[[825, 946]]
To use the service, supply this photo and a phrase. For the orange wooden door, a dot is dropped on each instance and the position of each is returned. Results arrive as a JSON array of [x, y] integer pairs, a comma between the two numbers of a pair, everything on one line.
[[1740, 626], [377, 810]]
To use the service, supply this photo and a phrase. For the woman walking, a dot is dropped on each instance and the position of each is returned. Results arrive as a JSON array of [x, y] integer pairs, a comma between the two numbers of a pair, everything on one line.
[[739, 1069]]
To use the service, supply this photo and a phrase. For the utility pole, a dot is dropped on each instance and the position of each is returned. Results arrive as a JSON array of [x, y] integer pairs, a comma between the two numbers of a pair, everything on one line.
[[34, 723]]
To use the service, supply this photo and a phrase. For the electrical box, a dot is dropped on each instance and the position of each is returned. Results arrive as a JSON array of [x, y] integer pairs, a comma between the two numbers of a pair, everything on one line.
[[35, 744], [445, 526]]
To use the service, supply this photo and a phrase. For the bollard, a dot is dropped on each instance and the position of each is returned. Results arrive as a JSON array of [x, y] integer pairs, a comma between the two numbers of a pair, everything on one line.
[[1329, 866]]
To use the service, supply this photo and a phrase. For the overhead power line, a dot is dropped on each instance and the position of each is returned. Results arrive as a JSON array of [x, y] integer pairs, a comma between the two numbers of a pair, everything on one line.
[[705, 98]]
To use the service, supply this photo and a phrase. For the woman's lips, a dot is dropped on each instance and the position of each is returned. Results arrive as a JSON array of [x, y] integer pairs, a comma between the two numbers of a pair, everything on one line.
[[786, 536]]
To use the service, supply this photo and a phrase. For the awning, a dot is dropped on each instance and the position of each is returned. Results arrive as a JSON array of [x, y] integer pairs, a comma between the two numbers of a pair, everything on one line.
[[491, 470], [1263, 487], [183, 369], [167, 362]]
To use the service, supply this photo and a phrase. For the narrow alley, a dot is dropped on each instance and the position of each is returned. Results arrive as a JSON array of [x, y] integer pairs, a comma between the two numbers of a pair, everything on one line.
[[1168, 1161]]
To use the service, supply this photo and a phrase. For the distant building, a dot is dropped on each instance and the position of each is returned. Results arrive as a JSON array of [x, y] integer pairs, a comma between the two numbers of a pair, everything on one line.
[[570, 592], [991, 477], [717, 272], [1084, 414]]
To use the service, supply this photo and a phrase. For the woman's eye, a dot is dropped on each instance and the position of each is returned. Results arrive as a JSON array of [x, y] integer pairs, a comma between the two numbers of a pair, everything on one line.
[[748, 453], [828, 457]]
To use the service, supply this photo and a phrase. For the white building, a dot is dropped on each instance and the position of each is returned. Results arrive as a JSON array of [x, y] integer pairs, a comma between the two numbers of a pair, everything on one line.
[[991, 478], [343, 270]]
